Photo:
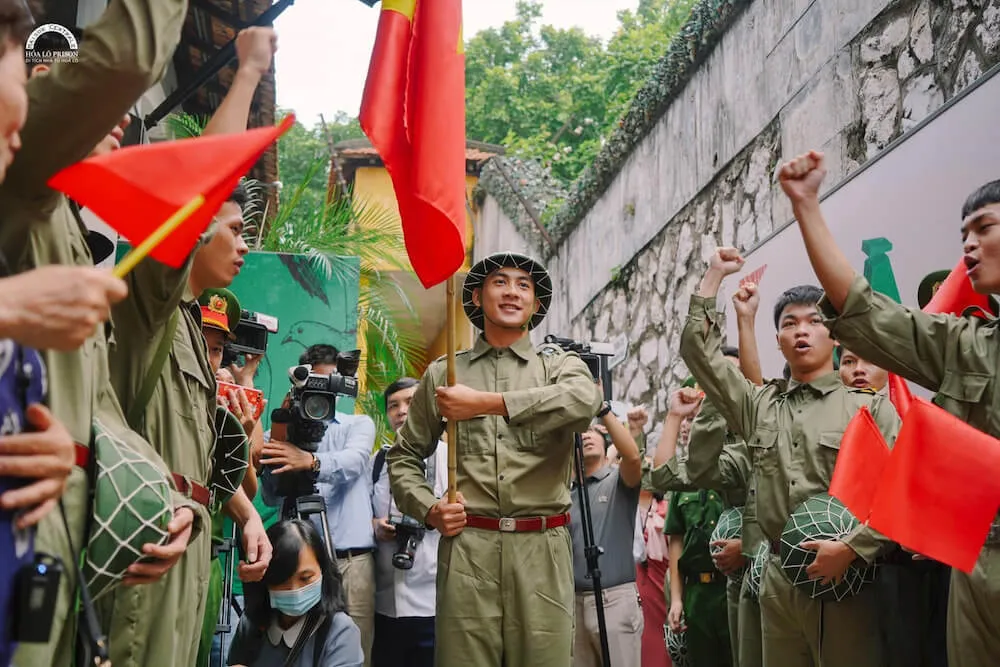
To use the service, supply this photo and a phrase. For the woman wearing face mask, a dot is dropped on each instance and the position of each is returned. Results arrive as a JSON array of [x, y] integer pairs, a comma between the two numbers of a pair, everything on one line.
[[295, 616]]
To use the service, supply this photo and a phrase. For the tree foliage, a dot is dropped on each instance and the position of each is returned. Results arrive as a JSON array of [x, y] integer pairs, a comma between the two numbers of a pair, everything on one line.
[[554, 94]]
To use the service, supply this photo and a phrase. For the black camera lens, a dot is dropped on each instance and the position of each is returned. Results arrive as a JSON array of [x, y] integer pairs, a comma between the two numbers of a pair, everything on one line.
[[318, 407]]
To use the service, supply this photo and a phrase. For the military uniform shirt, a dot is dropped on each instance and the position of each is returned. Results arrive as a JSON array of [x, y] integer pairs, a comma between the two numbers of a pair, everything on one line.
[[613, 507], [792, 434], [694, 514], [507, 467]]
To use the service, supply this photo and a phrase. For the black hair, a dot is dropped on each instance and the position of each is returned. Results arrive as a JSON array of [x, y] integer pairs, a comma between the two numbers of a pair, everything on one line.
[[16, 22], [801, 295], [730, 351], [983, 196], [398, 385], [240, 196], [319, 354], [287, 539], [786, 372]]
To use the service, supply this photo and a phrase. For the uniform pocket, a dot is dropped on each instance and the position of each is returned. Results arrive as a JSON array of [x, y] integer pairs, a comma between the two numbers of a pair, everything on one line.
[[475, 436], [763, 450], [195, 382]]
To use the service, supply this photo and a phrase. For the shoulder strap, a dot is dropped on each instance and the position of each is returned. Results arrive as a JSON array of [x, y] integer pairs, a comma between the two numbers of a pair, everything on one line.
[[135, 415], [320, 644], [377, 465], [311, 622]]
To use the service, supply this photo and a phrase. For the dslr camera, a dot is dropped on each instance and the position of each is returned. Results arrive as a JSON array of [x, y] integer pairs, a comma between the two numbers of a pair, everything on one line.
[[409, 533], [596, 355], [312, 403], [251, 336]]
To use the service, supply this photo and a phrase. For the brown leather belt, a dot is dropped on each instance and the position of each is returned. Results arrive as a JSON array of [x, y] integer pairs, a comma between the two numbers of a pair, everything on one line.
[[703, 577], [531, 524], [192, 490]]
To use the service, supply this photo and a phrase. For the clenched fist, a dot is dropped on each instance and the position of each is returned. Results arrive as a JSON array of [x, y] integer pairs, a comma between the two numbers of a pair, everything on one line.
[[746, 301], [801, 177], [255, 48], [726, 261]]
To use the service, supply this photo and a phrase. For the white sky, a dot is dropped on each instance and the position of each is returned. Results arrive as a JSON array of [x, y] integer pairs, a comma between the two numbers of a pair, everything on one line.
[[324, 45]]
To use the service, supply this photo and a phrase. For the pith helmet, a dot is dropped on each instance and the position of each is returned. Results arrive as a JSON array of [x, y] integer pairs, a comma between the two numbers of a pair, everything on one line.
[[676, 647], [231, 456], [928, 286], [821, 517], [728, 527], [755, 571], [495, 262]]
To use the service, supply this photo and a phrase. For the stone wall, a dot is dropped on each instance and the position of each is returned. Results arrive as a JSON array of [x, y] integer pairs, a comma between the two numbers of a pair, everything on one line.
[[845, 76]]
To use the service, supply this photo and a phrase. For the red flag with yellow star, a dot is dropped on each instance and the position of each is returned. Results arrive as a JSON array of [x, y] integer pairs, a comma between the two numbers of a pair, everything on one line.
[[413, 111]]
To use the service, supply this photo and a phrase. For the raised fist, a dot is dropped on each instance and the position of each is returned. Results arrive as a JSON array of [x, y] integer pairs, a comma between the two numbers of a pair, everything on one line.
[[255, 48], [746, 301], [726, 260], [685, 402], [801, 177]]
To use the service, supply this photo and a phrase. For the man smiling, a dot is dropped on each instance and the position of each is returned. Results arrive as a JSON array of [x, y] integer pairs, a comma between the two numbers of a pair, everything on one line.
[[505, 570]]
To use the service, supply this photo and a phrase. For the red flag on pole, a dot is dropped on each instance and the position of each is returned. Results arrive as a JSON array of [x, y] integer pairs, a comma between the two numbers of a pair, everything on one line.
[[413, 111], [956, 294], [862, 458], [899, 394], [940, 490], [134, 190]]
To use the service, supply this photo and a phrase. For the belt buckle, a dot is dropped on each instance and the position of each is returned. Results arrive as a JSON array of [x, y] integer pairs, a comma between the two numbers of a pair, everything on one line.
[[705, 577], [508, 525]]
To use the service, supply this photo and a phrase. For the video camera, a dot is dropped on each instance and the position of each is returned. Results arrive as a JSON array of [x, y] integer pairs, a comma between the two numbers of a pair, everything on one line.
[[251, 336], [312, 402], [596, 355]]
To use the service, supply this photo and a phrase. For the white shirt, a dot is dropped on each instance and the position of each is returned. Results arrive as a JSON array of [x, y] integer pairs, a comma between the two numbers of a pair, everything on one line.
[[407, 593], [276, 634]]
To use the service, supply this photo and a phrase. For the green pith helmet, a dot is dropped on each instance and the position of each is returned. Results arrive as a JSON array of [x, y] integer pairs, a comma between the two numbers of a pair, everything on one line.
[[676, 647], [689, 383], [220, 309], [728, 527], [755, 571], [231, 456], [929, 285], [132, 508], [821, 517]]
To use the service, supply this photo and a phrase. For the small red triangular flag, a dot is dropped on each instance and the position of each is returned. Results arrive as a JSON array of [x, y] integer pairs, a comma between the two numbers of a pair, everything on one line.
[[940, 490], [899, 394], [134, 190], [862, 458], [956, 294], [754, 276]]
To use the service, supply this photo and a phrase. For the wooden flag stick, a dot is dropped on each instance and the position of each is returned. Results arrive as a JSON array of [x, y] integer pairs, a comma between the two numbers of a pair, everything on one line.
[[140, 252], [452, 424]]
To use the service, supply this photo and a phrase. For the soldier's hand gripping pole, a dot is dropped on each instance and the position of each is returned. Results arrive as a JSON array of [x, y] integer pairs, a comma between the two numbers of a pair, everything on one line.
[[590, 550]]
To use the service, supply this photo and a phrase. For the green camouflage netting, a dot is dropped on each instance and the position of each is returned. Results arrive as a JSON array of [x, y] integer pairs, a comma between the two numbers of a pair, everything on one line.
[[132, 507], [821, 517], [676, 647], [230, 457], [755, 573], [729, 527]]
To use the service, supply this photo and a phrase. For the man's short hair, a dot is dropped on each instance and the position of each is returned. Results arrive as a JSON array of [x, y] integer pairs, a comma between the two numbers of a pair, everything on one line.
[[983, 196], [730, 351], [240, 196], [321, 354], [398, 385], [800, 295], [16, 22]]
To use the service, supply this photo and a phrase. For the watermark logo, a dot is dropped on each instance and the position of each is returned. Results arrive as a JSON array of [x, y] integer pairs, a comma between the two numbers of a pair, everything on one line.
[[51, 53]]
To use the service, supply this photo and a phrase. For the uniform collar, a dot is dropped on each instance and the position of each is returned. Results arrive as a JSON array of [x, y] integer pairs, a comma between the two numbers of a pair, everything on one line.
[[821, 385], [277, 635], [523, 348]]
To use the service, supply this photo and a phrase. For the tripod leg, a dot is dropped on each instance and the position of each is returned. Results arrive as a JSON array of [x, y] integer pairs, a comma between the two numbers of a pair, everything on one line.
[[591, 550]]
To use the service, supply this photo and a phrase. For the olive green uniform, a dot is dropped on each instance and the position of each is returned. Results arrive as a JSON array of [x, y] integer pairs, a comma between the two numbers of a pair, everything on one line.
[[502, 598], [693, 515], [710, 437], [959, 358], [179, 421], [71, 108], [793, 435]]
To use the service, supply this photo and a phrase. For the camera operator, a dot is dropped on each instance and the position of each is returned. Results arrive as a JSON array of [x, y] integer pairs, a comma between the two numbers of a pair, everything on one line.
[[406, 560], [340, 467], [614, 499]]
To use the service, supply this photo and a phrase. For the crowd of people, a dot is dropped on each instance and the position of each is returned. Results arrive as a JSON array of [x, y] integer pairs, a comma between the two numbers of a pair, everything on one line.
[[120, 459]]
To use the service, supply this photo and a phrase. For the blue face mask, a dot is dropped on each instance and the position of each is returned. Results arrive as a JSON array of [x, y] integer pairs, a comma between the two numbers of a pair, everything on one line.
[[298, 601]]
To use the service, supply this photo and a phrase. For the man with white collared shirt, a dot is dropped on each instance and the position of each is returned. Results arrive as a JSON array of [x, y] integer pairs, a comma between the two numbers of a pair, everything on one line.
[[404, 598], [342, 469]]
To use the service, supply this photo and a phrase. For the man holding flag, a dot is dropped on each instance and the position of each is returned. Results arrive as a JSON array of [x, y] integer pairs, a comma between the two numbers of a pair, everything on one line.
[[72, 108], [957, 357]]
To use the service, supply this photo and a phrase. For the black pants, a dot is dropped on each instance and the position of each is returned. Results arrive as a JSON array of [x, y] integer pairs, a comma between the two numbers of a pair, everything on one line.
[[913, 605], [403, 642]]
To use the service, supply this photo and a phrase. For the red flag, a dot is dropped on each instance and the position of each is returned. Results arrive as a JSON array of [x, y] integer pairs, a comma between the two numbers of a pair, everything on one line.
[[134, 190], [862, 458], [753, 277], [956, 294], [413, 111], [940, 490], [899, 394]]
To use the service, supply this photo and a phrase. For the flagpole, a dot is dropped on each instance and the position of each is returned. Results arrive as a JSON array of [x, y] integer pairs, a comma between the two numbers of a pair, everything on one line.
[[140, 252], [452, 424]]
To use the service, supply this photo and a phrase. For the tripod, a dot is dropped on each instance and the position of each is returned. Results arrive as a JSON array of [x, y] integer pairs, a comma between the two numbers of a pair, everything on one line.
[[305, 506], [590, 550]]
